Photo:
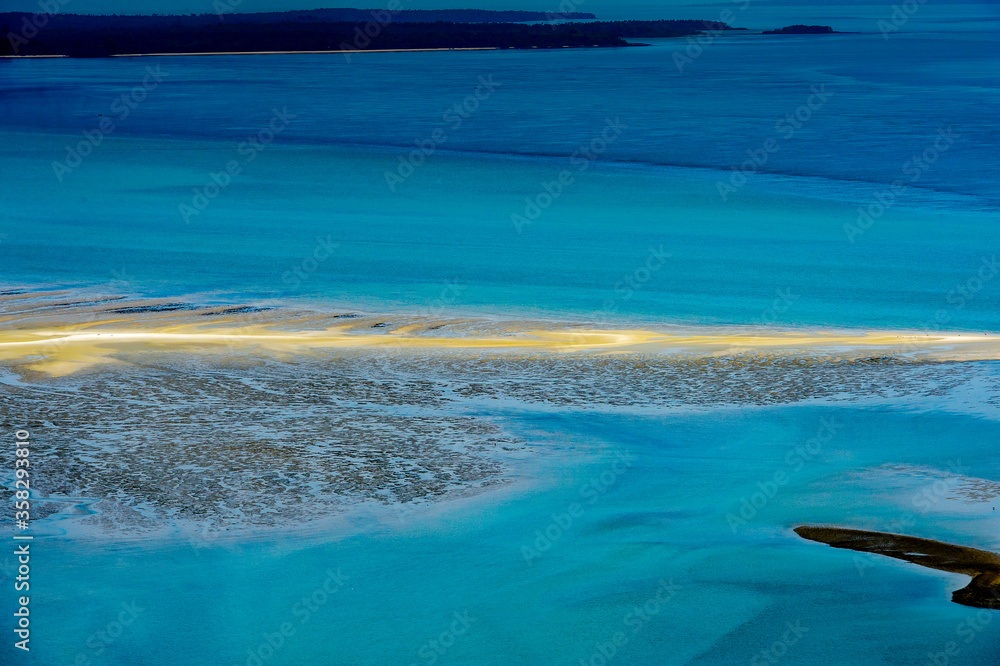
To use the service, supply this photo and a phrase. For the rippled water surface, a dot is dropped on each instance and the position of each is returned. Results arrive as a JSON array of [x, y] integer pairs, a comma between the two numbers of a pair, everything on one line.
[[316, 411]]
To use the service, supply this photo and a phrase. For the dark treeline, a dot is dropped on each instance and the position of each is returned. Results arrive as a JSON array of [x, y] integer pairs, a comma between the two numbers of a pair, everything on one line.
[[801, 30], [91, 22], [651, 29], [93, 36], [407, 15]]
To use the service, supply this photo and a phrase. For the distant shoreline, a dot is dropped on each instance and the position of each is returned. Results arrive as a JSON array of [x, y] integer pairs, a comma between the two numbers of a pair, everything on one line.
[[351, 51], [79, 36], [205, 53]]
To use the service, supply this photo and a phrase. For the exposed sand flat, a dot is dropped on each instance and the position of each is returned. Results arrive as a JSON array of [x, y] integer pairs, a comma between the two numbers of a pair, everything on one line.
[[60, 351], [338, 409], [60, 332], [270, 439]]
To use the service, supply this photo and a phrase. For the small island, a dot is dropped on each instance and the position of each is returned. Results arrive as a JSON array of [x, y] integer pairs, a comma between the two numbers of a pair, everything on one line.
[[802, 30]]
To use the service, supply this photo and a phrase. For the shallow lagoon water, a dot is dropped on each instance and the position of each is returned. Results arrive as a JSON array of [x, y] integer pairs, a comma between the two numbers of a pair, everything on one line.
[[664, 516], [443, 245]]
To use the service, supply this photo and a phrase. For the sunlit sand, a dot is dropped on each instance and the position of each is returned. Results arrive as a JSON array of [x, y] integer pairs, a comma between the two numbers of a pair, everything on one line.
[[62, 350]]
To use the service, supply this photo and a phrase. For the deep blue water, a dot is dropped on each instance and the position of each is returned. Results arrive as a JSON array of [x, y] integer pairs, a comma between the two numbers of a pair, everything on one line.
[[794, 224], [887, 101], [113, 224]]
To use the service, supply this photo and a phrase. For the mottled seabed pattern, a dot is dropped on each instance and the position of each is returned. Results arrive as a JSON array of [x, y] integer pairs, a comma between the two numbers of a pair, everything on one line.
[[597, 481], [419, 433], [340, 408]]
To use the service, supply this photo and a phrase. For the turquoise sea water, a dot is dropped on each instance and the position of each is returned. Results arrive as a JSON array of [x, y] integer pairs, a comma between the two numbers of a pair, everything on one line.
[[662, 514], [116, 218], [774, 252]]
